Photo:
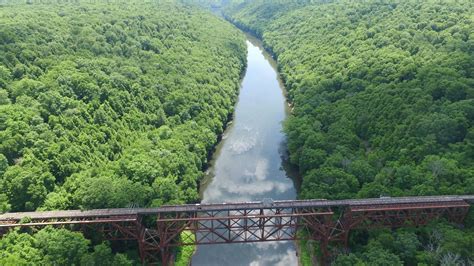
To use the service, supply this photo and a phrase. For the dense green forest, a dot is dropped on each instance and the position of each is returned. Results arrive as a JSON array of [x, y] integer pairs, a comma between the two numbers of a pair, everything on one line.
[[118, 103], [383, 104], [107, 105]]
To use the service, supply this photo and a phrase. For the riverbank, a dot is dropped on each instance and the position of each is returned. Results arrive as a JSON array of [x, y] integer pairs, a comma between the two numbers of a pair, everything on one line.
[[304, 249], [248, 163]]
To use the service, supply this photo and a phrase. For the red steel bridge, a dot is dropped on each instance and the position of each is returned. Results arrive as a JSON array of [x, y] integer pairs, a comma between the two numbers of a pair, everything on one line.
[[158, 230]]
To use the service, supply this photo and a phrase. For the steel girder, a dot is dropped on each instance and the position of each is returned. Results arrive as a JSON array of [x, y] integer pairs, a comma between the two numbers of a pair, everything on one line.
[[155, 243]]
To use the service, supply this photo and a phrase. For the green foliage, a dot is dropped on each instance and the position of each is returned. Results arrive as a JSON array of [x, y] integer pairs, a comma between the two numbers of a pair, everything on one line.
[[348, 260], [383, 105], [107, 105], [103, 255], [61, 246], [55, 247], [184, 254], [111, 105], [27, 183], [305, 249], [329, 183], [380, 257], [5, 206], [19, 249]]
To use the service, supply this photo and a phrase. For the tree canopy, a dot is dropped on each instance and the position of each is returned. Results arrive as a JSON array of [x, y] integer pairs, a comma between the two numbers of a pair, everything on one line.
[[383, 104], [107, 105], [55, 247]]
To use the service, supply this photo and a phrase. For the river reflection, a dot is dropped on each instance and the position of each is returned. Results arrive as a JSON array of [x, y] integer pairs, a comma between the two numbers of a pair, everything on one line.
[[247, 164]]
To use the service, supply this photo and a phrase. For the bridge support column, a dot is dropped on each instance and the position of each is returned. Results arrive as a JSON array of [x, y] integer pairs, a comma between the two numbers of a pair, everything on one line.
[[320, 226], [167, 258], [156, 245], [248, 222], [141, 240], [325, 255]]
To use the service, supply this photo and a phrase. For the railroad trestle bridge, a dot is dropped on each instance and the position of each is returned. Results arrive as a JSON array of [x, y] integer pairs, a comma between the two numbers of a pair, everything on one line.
[[158, 230]]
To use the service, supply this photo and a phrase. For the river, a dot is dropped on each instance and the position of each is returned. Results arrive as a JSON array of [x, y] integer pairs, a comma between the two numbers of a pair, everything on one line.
[[248, 162]]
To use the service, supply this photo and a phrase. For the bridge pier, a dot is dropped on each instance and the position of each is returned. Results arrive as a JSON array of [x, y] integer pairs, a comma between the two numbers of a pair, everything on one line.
[[247, 222], [141, 240], [167, 258]]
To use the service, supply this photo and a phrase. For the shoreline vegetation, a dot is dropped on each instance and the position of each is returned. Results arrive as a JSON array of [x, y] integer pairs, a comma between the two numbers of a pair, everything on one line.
[[382, 95], [121, 104], [108, 105], [304, 248]]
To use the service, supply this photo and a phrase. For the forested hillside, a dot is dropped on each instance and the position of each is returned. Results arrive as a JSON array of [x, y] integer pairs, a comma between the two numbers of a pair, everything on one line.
[[107, 105], [102, 107], [383, 98]]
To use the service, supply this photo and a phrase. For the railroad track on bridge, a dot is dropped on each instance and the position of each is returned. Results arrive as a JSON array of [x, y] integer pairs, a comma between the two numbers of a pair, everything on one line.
[[326, 221]]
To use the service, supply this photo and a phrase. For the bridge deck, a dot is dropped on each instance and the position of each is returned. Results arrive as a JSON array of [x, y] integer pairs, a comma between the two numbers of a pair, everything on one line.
[[234, 206]]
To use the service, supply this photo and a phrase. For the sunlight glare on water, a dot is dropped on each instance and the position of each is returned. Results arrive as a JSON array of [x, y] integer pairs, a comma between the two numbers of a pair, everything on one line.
[[247, 164]]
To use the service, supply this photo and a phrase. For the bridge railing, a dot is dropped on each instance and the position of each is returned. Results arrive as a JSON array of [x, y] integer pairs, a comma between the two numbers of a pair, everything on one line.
[[322, 220]]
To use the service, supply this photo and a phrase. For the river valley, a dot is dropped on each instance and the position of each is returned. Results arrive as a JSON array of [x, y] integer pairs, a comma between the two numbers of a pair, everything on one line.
[[248, 163]]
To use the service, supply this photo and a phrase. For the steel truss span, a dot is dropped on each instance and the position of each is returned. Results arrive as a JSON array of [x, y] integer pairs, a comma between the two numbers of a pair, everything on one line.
[[158, 230]]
